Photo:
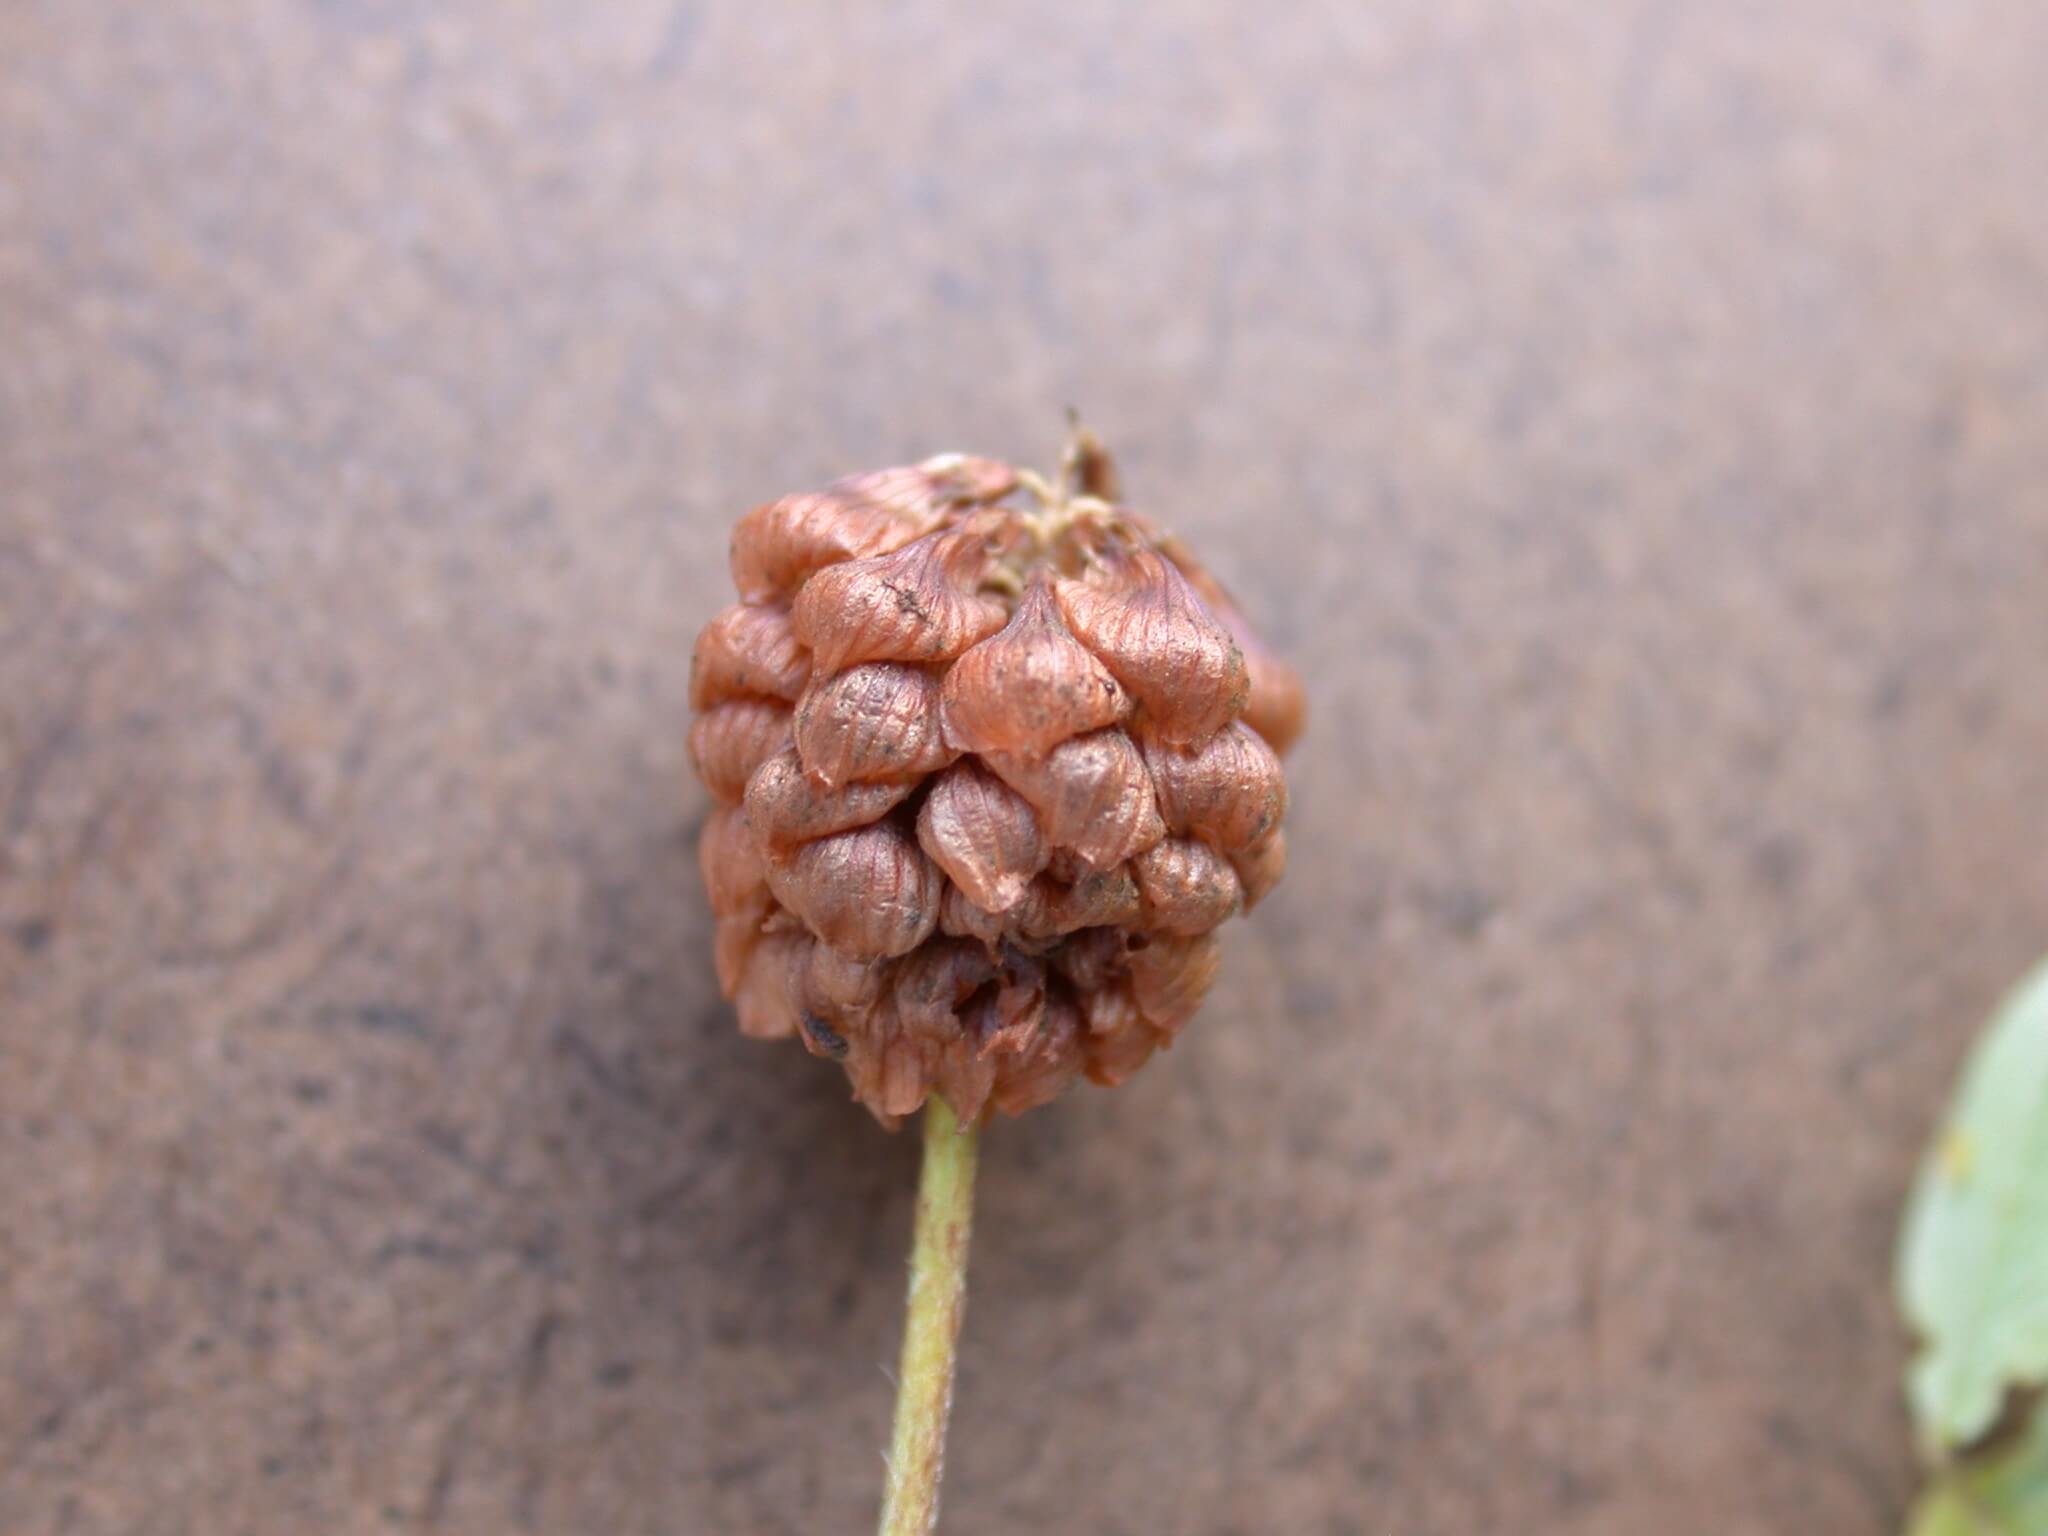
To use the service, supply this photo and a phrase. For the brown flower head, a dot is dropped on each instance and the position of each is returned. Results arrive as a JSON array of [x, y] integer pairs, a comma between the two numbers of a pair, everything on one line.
[[992, 762]]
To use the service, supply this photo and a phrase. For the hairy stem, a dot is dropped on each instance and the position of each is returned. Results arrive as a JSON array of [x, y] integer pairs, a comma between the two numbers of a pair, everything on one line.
[[938, 1295]]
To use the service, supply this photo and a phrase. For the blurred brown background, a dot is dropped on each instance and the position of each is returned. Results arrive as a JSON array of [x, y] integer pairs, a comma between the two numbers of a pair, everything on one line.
[[1633, 417]]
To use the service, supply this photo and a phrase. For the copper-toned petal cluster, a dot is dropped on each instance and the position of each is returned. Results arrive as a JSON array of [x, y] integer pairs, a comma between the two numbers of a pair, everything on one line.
[[991, 764]]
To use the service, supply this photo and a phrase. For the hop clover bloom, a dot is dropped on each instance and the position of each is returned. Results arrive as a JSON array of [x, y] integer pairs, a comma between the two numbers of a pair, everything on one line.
[[991, 764]]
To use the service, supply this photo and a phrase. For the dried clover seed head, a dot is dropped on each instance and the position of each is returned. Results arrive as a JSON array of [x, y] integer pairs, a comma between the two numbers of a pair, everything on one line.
[[992, 762]]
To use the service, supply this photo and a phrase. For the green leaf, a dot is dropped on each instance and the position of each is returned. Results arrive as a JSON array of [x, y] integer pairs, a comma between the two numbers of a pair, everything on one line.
[[1973, 1255], [1943, 1512], [2000, 1493]]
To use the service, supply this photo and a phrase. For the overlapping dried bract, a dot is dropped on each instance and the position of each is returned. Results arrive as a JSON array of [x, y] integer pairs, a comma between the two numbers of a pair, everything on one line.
[[921, 603], [776, 546], [1031, 687], [1228, 792], [734, 940], [766, 997], [1170, 977], [1184, 888], [924, 490], [878, 720], [1277, 708], [730, 740], [1040, 1072], [1136, 611], [983, 834], [869, 893], [751, 648], [1120, 1039], [735, 878], [1092, 796], [988, 778], [1260, 866], [786, 807]]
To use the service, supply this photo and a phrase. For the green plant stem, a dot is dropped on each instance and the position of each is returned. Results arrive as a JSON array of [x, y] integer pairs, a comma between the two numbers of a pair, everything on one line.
[[938, 1296]]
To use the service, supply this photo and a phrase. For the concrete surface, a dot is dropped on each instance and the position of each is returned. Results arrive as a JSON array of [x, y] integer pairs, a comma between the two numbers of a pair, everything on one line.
[[1634, 419]]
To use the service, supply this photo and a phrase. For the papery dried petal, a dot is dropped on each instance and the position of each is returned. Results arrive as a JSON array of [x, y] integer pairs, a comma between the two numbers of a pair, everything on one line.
[[875, 721], [1187, 887], [1066, 866], [933, 983], [733, 943], [730, 740], [869, 893], [1005, 1017], [923, 491], [1228, 792], [890, 1071], [1170, 977], [983, 834], [734, 879], [769, 999], [1092, 795], [1277, 706], [861, 1055], [1030, 687], [965, 1077], [1119, 1039], [1136, 611], [906, 1074], [839, 985], [1091, 959], [777, 546], [1114, 1060], [918, 603], [1260, 866], [1041, 1073], [1108, 1009], [1096, 899], [785, 806], [750, 648], [961, 918]]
